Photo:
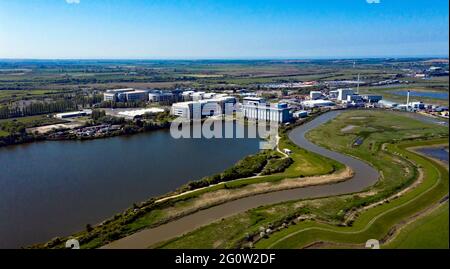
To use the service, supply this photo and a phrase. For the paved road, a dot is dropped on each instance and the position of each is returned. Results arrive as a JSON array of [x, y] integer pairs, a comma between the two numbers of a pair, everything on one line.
[[364, 177]]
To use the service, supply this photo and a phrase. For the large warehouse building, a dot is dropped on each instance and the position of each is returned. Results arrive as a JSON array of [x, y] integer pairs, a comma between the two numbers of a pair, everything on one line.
[[202, 108], [266, 112]]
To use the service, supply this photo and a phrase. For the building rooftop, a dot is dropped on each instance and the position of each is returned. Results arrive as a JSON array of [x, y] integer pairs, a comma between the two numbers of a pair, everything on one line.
[[120, 90]]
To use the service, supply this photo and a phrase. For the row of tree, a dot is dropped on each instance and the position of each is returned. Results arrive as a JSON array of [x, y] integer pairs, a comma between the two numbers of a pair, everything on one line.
[[56, 106]]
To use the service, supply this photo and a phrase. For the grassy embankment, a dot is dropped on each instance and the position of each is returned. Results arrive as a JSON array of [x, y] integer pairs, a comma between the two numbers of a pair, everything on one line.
[[427, 232], [377, 128], [375, 222], [151, 214]]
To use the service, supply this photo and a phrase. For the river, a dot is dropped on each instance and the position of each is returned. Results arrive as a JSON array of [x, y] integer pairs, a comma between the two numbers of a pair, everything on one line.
[[50, 189], [364, 177]]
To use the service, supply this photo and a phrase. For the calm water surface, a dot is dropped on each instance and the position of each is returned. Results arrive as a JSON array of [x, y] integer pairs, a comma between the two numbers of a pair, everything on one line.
[[53, 189], [440, 153], [435, 95]]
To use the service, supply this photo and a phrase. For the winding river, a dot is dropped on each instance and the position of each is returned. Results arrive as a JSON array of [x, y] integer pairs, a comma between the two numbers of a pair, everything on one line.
[[364, 177]]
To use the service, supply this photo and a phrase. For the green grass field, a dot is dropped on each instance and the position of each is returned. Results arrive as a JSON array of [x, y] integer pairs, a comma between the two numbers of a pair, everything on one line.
[[427, 232]]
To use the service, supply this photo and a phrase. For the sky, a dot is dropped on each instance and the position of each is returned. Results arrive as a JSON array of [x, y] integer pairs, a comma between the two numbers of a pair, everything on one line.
[[220, 29]]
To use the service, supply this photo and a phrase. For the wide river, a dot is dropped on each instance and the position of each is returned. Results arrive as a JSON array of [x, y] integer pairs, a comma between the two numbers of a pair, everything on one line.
[[50, 189]]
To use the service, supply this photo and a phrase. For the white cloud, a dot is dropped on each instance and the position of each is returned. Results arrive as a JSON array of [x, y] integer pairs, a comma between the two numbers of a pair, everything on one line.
[[373, 1], [72, 1]]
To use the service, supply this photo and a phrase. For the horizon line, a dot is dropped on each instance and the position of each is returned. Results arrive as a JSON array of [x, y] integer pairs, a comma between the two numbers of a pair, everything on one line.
[[227, 58]]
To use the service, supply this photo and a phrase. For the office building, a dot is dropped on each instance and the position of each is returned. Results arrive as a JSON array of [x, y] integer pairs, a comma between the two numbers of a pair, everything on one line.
[[113, 95], [265, 112], [163, 98], [204, 108], [125, 95]]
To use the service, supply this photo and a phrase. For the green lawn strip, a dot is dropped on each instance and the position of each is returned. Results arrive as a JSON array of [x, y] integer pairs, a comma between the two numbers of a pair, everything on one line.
[[375, 222], [426, 232]]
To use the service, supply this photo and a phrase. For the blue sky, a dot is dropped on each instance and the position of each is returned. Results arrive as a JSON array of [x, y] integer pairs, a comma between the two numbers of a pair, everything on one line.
[[173, 29]]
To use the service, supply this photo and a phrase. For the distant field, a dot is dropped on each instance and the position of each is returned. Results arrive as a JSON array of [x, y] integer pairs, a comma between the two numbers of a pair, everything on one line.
[[436, 84], [22, 93], [203, 73]]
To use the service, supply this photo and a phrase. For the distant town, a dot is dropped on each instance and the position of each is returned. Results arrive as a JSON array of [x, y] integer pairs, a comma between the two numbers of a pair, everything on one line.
[[279, 102]]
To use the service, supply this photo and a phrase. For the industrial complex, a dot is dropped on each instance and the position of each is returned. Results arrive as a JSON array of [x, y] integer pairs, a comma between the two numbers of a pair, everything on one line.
[[190, 104]]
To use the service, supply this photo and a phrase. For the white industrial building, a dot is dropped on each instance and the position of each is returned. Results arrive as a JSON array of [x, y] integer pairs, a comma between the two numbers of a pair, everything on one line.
[[112, 95], [317, 103], [372, 98], [300, 114], [187, 96], [333, 94], [387, 104], [74, 114], [134, 113], [164, 98], [197, 96], [343, 93], [266, 112], [202, 108], [314, 95], [125, 95], [417, 105], [253, 100], [133, 96], [354, 98]]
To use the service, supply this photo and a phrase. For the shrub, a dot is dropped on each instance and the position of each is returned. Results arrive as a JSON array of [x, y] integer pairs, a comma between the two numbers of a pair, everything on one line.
[[277, 166]]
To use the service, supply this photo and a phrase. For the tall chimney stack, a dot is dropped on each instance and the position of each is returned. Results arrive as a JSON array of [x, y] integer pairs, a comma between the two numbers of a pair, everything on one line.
[[407, 99]]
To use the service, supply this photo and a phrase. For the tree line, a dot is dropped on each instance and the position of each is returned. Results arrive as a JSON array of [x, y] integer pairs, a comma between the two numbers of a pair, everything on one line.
[[56, 106]]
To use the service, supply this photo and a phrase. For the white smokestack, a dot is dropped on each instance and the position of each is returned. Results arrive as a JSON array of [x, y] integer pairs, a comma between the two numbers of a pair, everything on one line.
[[407, 99]]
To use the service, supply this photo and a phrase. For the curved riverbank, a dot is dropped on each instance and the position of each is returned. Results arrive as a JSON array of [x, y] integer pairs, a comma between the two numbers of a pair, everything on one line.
[[378, 221], [364, 176]]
